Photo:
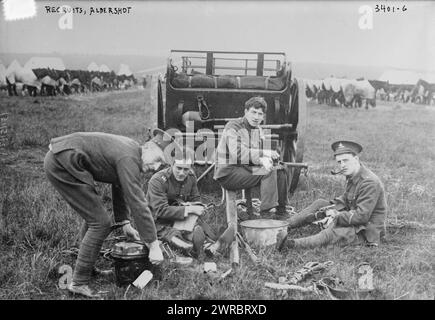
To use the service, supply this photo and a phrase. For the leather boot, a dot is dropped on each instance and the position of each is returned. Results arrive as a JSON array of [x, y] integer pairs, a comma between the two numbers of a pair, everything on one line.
[[323, 238], [83, 290], [307, 215], [223, 242], [283, 242], [181, 244], [198, 239]]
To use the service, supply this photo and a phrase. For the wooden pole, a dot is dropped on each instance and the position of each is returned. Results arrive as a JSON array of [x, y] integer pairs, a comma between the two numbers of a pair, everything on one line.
[[232, 221], [249, 209]]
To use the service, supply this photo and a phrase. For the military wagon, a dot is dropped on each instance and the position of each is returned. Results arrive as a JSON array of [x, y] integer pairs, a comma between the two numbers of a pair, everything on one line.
[[209, 88]]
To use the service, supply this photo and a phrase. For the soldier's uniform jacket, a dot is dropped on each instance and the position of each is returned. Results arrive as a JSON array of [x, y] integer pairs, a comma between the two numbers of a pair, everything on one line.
[[365, 205], [165, 192], [111, 159], [240, 144]]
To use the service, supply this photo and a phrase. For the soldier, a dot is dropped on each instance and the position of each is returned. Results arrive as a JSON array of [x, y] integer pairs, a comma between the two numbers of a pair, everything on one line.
[[73, 164], [242, 142], [357, 217], [173, 197]]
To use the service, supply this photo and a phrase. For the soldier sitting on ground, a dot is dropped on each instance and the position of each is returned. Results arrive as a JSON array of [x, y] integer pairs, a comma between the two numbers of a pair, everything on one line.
[[173, 197], [359, 214]]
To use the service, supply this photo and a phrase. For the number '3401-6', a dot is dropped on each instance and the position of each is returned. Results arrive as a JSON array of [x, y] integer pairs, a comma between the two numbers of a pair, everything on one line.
[[384, 8]]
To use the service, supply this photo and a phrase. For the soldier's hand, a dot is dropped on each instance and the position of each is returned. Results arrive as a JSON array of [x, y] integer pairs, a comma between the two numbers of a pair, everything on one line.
[[155, 253], [130, 232], [271, 154], [198, 210], [274, 155], [266, 163]]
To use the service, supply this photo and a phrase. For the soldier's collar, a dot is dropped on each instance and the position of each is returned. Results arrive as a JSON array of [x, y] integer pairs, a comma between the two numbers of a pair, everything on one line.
[[247, 125], [158, 142]]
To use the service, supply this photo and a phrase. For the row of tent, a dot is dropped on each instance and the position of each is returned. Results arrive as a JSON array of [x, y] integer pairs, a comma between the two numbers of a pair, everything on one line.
[[342, 91], [392, 77], [56, 63], [406, 77], [123, 69], [46, 76], [15, 69]]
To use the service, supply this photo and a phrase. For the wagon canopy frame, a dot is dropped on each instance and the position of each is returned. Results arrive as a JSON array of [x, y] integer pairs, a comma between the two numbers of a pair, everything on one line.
[[211, 66]]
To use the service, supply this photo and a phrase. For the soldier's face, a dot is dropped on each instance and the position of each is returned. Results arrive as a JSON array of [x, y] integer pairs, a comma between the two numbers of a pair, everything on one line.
[[348, 163], [152, 157], [180, 171], [254, 116]]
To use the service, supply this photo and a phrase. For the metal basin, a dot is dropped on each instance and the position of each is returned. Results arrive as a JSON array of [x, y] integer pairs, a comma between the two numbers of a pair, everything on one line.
[[263, 232]]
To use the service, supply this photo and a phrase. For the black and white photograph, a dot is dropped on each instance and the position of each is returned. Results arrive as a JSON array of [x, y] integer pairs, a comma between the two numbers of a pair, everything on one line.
[[234, 152]]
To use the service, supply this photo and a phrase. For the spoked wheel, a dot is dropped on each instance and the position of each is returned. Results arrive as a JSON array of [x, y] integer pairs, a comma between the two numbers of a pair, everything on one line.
[[157, 103], [293, 142], [160, 106]]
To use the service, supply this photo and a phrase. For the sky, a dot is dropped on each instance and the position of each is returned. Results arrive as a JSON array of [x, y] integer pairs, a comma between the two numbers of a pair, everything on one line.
[[309, 31]]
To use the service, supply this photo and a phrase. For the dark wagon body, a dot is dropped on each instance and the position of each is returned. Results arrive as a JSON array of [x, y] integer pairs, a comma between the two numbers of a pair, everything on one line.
[[209, 88]]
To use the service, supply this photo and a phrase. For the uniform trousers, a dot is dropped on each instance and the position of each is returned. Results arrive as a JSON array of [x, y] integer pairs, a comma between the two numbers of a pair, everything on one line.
[[332, 235], [273, 185], [61, 170]]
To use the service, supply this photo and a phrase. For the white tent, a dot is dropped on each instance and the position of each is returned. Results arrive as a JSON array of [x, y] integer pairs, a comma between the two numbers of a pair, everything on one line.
[[14, 66], [27, 76], [104, 68], [17, 74], [2, 75], [332, 83], [93, 67], [429, 77], [406, 76], [13, 69], [124, 70], [45, 62]]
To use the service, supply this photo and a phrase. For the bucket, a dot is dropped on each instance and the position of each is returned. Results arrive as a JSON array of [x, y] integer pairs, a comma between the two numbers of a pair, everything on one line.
[[263, 232], [130, 259]]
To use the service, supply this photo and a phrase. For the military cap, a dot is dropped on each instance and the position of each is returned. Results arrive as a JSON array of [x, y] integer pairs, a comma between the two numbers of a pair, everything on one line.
[[341, 146], [163, 139]]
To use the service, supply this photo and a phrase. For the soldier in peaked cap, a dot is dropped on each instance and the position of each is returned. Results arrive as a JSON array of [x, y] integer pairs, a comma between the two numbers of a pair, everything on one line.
[[341, 147], [356, 217]]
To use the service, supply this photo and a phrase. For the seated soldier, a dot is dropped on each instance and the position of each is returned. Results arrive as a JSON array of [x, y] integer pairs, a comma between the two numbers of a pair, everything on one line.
[[173, 197], [356, 217], [249, 164]]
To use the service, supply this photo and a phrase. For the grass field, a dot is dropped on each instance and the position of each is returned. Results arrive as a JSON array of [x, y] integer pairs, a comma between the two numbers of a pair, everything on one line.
[[36, 224]]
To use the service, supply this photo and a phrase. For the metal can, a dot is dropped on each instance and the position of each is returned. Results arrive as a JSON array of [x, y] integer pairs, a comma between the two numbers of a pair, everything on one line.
[[130, 259]]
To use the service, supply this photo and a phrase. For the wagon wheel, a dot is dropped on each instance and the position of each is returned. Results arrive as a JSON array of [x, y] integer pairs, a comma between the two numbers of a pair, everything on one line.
[[157, 103], [160, 106], [293, 143]]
